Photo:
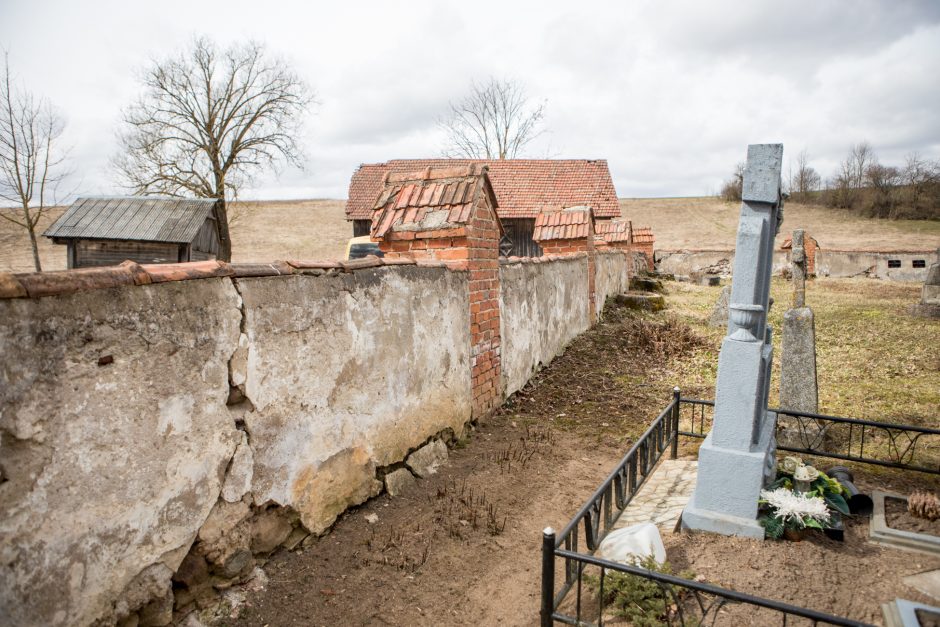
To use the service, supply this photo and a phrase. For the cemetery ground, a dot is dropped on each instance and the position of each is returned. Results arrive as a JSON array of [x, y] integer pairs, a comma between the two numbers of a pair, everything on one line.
[[462, 547]]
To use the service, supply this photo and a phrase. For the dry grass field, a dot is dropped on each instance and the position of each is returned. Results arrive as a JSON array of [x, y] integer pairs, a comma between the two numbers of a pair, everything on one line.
[[317, 229], [710, 223]]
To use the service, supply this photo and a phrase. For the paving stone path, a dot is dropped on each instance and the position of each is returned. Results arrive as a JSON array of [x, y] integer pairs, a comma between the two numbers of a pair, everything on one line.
[[663, 496]]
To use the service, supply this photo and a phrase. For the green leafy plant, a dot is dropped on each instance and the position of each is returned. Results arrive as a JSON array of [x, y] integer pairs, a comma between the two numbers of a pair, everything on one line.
[[643, 602]]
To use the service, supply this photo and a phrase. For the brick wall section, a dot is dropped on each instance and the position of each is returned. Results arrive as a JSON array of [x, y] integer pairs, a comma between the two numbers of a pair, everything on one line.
[[809, 246], [473, 247]]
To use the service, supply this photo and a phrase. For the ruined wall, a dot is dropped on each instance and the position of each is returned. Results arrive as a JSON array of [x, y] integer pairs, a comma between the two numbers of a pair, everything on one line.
[[176, 430], [164, 427], [720, 262], [542, 305], [108, 471], [348, 373], [612, 277], [843, 264]]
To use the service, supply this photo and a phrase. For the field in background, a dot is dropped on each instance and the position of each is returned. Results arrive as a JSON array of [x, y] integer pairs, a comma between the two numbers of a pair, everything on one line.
[[317, 229], [712, 223]]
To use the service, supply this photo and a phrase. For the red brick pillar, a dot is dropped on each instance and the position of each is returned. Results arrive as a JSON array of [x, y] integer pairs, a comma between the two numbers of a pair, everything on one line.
[[460, 203]]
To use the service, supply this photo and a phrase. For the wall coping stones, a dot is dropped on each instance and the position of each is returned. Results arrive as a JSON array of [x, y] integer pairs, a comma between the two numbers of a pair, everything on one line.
[[369, 261], [275, 268], [314, 264], [10, 287]]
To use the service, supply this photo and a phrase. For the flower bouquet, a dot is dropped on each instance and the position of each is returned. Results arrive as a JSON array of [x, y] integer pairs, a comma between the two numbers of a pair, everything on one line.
[[801, 498]]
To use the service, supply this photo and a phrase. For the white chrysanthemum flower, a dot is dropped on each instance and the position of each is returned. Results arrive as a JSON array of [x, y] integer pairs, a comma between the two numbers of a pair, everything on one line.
[[791, 507]]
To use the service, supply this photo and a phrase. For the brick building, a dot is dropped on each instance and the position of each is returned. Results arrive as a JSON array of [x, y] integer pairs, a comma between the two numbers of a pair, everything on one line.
[[569, 231], [522, 188], [625, 236]]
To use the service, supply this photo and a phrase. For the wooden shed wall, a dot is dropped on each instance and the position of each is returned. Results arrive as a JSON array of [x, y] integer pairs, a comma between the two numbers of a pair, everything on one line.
[[91, 253], [206, 244]]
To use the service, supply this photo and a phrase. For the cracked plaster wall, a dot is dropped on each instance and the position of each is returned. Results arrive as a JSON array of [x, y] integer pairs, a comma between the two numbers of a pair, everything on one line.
[[108, 471], [348, 373], [543, 306], [612, 276]]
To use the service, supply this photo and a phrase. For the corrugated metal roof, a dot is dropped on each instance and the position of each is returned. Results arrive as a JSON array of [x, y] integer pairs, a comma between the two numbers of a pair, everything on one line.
[[136, 218]]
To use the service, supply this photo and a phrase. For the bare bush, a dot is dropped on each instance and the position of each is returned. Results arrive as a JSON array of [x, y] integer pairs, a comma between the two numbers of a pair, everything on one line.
[[804, 180], [733, 188]]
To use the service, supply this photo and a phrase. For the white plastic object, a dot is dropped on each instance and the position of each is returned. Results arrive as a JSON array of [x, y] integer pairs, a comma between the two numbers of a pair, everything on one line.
[[631, 544]]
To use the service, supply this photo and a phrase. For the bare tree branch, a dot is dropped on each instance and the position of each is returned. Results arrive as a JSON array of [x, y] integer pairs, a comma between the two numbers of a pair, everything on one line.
[[494, 121], [30, 165], [208, 121]]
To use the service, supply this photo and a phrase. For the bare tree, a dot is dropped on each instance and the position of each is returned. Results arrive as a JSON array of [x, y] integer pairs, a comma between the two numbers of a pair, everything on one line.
[[208, 121], [494, 121], [29, 161], [803, 179]]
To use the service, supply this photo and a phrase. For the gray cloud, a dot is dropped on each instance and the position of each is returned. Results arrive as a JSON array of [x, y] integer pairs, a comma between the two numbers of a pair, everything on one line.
[[669, 92]]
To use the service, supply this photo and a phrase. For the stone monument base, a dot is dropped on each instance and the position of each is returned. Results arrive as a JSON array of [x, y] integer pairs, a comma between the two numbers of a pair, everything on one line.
[[729, 485]]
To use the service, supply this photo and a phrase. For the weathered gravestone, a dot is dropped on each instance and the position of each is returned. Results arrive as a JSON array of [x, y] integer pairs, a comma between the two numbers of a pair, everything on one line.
[[798, 386], [930, 297], [737, 458], [719, 317]]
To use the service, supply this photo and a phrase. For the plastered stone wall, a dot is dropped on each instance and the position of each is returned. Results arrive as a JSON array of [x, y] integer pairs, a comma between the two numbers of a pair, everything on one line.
[[108, 471], [542, 308], [844, 264], [348, 373], [685, 262], [612, 277]]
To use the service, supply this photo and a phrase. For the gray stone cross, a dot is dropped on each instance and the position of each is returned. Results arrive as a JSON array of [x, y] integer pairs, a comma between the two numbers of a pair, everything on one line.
[[798, 263]]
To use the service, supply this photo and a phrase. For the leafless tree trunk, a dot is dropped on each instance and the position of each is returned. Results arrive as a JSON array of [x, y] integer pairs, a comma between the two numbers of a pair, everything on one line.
[[733, 188], [29, 162], [208, 121], [494, 121]]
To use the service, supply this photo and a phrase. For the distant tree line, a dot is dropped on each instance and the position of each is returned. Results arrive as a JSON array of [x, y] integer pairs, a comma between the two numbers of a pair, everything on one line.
[[861, 184]]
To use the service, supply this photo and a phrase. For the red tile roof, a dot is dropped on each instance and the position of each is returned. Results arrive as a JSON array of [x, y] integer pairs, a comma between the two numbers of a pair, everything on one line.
[[612, 231], [571, 223], [643, 235], [430, 200], [523, 187]]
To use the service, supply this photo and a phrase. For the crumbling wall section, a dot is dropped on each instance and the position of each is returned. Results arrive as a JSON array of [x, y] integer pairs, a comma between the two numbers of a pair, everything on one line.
[[542, 308], [347, 373], [114, 441]]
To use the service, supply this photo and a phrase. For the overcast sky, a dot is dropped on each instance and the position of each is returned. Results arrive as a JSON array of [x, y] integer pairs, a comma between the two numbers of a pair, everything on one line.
[[670, 93]]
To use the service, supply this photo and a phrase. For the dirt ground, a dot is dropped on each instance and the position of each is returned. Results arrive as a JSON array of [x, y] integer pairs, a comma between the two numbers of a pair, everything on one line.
[[317, 229], [462, 548]]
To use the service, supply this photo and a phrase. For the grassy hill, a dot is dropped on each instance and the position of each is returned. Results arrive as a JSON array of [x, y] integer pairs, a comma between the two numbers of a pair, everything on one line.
[[317, 229]]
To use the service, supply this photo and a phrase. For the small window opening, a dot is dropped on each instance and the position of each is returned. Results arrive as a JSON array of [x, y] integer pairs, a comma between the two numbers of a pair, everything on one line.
[[919, 263], [894, 263]]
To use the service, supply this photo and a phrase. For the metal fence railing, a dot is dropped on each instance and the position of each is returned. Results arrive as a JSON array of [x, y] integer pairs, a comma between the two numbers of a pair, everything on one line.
[[907, 447]]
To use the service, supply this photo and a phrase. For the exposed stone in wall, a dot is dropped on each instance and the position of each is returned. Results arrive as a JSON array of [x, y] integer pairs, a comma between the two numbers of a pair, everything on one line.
[[110, 469], [347, 373]]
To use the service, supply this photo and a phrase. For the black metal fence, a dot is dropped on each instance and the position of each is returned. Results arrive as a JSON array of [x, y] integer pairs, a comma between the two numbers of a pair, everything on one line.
[[907, 447], [690, 602]]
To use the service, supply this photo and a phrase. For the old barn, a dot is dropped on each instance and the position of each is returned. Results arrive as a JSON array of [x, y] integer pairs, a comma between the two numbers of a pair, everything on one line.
[[523, 188], [107, 231]]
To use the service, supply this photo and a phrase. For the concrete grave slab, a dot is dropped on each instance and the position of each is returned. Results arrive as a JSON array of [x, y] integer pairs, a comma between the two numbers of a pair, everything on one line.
[[881, 533]]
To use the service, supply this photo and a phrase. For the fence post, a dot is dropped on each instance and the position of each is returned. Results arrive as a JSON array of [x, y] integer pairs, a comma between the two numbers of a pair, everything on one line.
[[674, 452], [548, 576]]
